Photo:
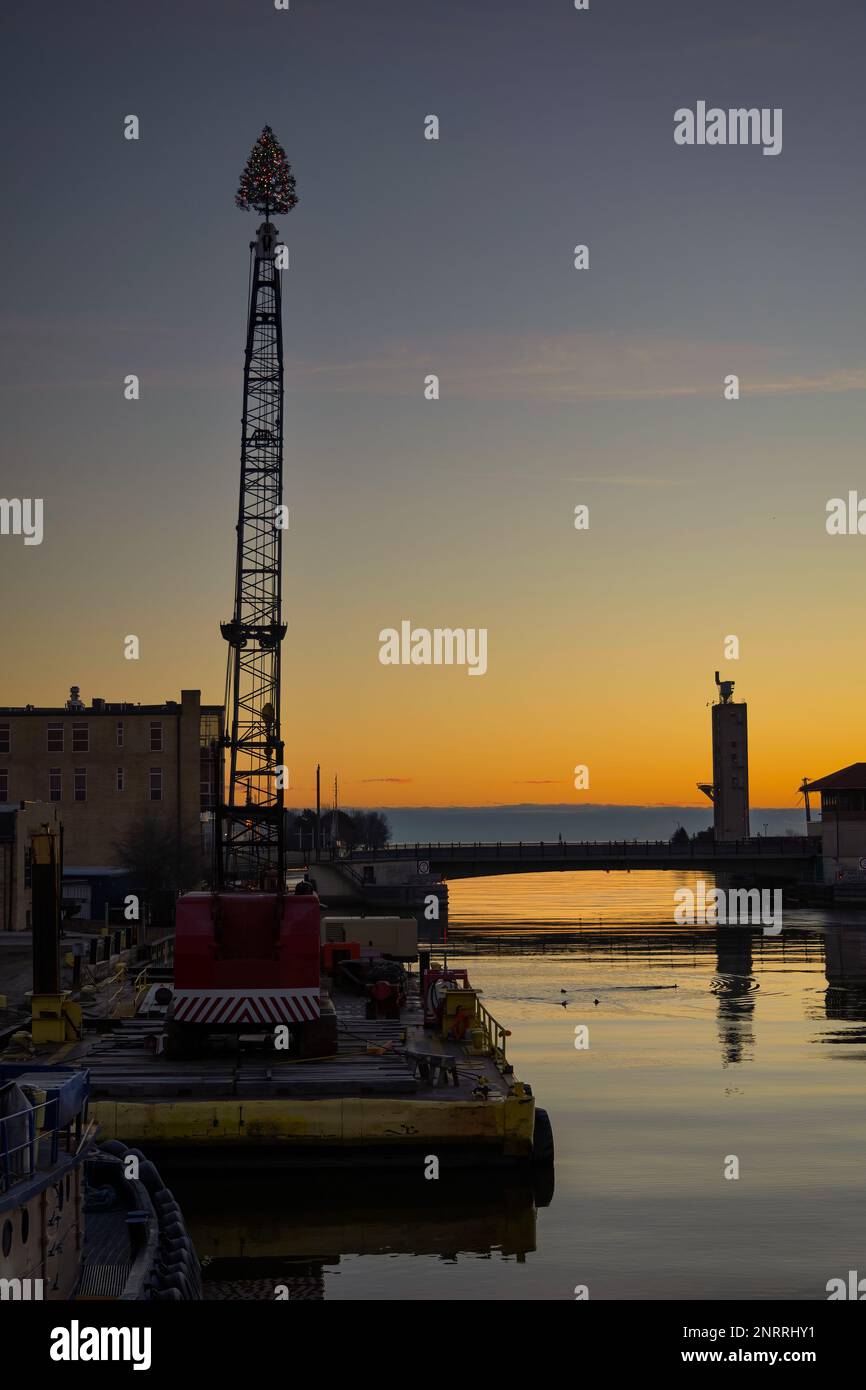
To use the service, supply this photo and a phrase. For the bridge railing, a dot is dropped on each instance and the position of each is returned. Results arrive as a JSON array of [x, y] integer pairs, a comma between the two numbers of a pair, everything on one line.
[[775, 846]]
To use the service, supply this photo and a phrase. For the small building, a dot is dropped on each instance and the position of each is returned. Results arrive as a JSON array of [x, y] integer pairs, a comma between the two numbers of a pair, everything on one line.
[[842, 827]]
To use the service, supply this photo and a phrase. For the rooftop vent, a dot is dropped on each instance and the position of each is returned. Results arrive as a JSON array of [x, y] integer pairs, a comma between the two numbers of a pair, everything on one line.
[[75, 701]]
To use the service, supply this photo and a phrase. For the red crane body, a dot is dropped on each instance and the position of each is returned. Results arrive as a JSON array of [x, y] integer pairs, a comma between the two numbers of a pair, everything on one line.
[[245, 957]]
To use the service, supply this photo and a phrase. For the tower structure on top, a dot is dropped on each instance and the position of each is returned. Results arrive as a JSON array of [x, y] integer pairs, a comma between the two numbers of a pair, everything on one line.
[[730, 765]]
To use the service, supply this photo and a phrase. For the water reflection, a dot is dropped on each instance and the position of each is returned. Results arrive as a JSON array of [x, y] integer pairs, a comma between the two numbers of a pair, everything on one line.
[[294, 1231], [734, 988], [704, 1042], [845, 997]]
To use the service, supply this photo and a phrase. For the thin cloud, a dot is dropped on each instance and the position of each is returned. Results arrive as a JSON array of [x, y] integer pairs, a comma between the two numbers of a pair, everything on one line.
[[591, 366], [401, 780], [597, 365]]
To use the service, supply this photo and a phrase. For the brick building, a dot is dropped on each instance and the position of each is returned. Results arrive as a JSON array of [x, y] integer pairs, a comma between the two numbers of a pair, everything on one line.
[[106, 766]]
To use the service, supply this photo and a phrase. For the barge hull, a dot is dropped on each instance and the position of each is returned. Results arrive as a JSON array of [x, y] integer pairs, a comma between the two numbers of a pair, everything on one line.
[[306, 1131]]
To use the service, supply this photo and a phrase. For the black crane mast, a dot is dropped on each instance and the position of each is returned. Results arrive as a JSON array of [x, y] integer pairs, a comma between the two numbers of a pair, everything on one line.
[[250, 836]]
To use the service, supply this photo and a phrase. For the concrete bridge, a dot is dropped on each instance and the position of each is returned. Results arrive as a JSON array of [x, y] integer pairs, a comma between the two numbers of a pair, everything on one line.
[[784, 857]]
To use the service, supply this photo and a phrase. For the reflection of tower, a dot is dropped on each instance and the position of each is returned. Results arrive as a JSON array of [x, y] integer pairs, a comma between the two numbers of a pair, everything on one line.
[[730, 766], [733, 990]]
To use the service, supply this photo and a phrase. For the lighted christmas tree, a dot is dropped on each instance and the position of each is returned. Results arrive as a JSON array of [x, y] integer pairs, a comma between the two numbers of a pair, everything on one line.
[[267, 183]]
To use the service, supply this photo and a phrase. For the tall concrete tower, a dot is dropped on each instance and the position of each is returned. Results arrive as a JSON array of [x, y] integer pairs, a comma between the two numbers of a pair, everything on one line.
[[730, 766]]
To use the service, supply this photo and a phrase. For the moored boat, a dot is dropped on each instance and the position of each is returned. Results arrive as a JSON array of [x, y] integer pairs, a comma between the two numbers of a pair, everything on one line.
[[79, 1219]]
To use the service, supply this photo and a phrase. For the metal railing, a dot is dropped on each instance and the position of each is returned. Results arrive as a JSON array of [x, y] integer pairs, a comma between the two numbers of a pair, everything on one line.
[[119, 979], [494, 1034], [42, 1147], [775, 846], [344, 866], [140, 986]]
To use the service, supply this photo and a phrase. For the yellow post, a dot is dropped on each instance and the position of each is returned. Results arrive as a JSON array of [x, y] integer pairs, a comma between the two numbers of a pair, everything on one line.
[[55, 1018]]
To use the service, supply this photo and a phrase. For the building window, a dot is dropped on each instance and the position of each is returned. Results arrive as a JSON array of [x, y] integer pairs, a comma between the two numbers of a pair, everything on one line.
[[55, 738], [55, 784], [205, 788], [80, 738], [156, 736], [119, 728], [209, 729], [209, 736], [156, 784], [206, 781], [5, 738], [120, 779], [4, 784], [80, 784]]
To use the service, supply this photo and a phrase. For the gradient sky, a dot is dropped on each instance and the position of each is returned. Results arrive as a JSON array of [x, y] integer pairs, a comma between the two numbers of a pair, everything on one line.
[[558, 387]]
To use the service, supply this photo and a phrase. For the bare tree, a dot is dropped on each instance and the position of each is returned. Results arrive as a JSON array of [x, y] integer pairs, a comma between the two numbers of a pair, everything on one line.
[[158, 860]]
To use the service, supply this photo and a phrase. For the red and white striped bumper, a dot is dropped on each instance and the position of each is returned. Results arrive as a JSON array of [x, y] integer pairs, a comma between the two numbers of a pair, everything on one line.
[[245, 1006]]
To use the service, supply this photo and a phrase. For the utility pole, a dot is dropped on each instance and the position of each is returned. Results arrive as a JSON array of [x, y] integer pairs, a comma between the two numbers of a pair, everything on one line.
[[318, 812]]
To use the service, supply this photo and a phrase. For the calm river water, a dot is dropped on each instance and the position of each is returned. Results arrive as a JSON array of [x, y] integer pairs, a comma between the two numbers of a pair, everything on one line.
[[704, 1045]]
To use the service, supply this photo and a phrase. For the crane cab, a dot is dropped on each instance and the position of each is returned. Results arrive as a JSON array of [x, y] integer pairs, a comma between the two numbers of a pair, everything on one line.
[[243, 960]]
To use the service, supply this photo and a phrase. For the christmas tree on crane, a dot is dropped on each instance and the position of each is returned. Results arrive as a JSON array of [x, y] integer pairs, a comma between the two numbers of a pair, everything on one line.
[[267, 182]]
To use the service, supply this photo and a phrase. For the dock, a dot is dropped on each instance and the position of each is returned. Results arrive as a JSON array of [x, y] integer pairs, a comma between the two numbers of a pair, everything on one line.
[[393, 1094]]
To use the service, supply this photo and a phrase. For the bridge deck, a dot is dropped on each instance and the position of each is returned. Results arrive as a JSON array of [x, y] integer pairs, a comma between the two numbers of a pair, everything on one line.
[[791, 856]]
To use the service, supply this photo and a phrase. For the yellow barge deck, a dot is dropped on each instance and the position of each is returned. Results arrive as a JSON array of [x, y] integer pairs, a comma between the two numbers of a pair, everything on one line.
[[394, 1093]]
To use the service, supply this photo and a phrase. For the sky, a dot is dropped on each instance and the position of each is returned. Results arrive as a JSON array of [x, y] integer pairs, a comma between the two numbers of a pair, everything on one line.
[[558, 388]]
